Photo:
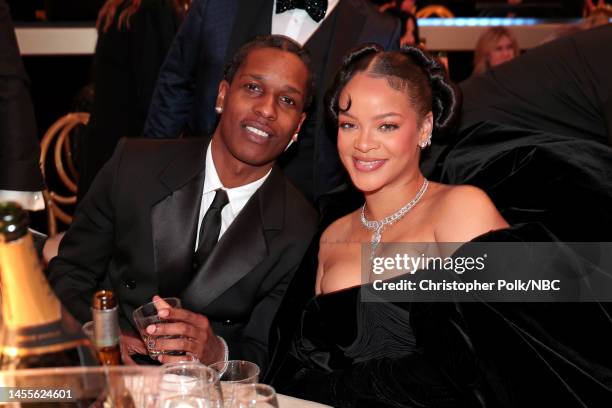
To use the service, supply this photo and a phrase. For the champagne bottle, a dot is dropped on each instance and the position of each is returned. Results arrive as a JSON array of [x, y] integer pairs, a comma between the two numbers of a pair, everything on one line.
[[35, 330], [106, 327]]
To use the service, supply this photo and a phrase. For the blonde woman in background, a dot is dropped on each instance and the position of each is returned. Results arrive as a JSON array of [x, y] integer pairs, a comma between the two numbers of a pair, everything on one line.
[[495, 46]]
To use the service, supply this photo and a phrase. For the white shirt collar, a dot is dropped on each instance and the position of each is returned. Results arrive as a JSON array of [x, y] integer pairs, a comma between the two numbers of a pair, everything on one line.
[[331, 4], [296, 23], [238, 196]]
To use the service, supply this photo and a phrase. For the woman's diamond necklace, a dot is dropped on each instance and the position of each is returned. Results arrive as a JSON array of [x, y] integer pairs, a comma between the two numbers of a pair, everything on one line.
[[378, 226]]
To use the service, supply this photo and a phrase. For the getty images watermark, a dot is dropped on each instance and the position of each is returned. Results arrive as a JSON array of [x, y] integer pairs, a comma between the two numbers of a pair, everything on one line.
[[488, 271]]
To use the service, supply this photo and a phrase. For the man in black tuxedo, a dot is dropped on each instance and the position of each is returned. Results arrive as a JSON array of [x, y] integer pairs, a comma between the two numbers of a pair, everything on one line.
[[20, 177], [137, 228], [186, 89]]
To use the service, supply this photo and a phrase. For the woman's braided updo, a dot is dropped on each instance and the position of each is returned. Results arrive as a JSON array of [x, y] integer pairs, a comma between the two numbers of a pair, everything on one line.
[[410, 69]]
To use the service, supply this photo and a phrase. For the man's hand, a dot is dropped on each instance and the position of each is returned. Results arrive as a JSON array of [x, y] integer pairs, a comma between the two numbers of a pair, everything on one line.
[[131, 344], [197, 338]]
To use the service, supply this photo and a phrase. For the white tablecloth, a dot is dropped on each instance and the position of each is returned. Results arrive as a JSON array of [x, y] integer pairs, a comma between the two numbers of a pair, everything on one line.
[[285, 401]]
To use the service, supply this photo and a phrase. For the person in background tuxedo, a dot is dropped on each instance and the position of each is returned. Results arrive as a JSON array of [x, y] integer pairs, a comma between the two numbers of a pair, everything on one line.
[[133, 39], [20, 176], [184, 97], [150, 223]]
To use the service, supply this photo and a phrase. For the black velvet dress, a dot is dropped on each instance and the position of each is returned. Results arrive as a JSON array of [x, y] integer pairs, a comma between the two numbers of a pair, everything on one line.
[[349, 353]]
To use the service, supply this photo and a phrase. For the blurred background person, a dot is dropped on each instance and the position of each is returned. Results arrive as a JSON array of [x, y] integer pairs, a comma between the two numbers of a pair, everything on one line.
[[409, 28], [601, 14], [20, 176], [591, 6], [133, 38], [408, 6], [495, 46], [598, 16]]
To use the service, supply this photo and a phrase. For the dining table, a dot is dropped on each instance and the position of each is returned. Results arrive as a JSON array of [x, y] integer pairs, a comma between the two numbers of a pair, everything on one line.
[[285, 401]]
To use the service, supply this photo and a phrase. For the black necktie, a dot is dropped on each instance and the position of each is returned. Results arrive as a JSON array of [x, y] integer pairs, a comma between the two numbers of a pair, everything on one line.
[[316, 9], [210, 228]]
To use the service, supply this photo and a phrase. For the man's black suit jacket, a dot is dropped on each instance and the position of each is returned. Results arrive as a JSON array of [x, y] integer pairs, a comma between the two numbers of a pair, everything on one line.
[[135, 233], [184, 98], [19, 147]]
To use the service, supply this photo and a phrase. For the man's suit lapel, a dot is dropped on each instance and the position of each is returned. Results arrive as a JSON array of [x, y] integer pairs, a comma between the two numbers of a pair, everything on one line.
[[242, 247], [174, 220], [254, 17]]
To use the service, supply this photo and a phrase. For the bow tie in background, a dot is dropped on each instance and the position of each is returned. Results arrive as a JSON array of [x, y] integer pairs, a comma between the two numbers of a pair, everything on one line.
[[316, 9]]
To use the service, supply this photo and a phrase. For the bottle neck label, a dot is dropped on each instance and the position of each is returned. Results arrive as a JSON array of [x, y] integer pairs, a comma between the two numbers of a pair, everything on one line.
[[106, 327], [40, 339]]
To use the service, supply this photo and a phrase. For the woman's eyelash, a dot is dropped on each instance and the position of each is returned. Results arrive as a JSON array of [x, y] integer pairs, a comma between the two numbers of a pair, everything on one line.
[[388, 127]]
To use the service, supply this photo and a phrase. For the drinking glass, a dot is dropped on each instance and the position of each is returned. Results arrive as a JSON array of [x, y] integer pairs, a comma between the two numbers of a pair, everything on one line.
[[146, 315], [88, 330], [134, 386], [254, 396], [189, 385], [232, 373], [117, 386]]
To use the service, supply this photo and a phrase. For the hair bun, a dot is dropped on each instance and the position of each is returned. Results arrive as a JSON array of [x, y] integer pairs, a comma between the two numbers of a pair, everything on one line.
[[445, 96], [360, 52]]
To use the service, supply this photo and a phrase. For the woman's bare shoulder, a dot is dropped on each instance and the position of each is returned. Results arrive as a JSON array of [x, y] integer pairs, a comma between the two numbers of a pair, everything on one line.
[[464, 195], [464, 212]]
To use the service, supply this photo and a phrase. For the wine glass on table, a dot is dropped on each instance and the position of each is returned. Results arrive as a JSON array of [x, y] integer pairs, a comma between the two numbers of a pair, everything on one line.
[[189, 385], [233, 373], [254, 396]]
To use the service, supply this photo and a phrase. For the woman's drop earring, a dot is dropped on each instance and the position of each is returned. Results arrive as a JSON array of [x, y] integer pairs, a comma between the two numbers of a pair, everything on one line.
[[423, 144]]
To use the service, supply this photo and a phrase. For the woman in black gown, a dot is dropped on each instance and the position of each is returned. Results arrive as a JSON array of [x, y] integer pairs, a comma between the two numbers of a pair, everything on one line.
[[349, 353], [387, 105]]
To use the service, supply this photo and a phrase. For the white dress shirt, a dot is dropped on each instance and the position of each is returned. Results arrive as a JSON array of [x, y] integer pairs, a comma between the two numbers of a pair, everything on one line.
[[237, 196], [297, 24]]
